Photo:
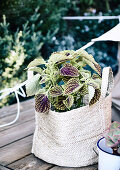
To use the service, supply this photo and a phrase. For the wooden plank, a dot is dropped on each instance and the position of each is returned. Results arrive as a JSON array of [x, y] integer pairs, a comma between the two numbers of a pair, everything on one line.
[[13, 108], [93, 167], [16, 150], [16, 133], [30, 162], [3, 168], [26, 115]]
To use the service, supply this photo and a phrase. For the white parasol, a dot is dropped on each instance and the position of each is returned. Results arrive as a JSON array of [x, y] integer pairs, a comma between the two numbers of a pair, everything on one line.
[[112, 35]]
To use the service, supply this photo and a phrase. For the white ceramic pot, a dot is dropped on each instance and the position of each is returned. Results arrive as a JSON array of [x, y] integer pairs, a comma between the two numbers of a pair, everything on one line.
[[107, 161]]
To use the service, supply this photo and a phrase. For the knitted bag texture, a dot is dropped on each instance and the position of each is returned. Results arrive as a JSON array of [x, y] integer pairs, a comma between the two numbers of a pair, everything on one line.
[[69, 138]]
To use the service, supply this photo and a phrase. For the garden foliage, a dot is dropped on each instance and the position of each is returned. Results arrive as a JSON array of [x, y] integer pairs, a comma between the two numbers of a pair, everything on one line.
[[30, 29], [18, 49], [112, 136]]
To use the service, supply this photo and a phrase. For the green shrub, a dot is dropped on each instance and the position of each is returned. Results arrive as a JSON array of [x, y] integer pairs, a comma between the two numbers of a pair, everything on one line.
[[18, 49], [35, 32]]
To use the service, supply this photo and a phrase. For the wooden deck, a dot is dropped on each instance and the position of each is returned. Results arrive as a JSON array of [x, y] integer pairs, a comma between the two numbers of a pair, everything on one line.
[[16, 141]]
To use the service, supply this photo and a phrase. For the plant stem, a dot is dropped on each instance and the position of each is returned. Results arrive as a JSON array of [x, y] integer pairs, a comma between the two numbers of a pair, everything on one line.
[[115, 151]]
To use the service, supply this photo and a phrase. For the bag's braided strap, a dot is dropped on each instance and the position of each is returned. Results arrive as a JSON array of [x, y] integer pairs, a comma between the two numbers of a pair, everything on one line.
[[107, 81]]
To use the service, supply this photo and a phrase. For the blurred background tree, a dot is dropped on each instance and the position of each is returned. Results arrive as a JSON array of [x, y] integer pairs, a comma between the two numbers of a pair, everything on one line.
[[33, 28]]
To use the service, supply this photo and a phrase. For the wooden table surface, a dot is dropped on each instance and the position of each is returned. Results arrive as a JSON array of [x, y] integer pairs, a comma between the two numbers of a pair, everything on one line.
[[16, 141]]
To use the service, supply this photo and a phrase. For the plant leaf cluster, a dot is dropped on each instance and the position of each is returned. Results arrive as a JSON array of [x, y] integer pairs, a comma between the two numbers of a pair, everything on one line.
[[62, 82], [112, 136]]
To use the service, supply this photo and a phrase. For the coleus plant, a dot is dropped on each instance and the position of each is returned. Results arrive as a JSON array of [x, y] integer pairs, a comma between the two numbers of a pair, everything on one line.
[[62, 83], [112, 136]]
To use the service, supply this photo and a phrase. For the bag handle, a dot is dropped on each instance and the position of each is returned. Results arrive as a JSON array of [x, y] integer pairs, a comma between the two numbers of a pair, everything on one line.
[[29, 74], [107, 81]]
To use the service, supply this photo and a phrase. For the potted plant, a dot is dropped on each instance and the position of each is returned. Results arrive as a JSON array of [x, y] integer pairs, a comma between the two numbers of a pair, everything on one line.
[[109, 148], [69, 105], [62, 83]]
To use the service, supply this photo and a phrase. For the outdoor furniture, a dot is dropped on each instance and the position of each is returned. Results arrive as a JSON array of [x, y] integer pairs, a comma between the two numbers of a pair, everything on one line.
[[16, 141]]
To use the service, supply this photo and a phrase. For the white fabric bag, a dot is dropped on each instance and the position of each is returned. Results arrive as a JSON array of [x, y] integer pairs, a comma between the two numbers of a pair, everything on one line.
[[69, 138]]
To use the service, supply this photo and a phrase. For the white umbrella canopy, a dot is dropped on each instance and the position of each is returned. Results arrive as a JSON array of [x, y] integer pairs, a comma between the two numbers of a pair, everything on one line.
[[112, 35]]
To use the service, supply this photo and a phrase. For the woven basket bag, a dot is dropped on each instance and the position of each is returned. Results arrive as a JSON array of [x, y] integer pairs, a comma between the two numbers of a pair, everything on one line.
[[69, 138]]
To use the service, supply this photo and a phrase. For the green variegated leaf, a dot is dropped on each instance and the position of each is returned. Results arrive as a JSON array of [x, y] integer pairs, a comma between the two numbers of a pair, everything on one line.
[[72, 86], [78, 65], [96, 76], [66, 79], [44, 79], [95, 66], [69, 70], [79, 62], [55, 91], [33, 86], [42, 103], [85, 76], [67, 52], [36, 69], [69, 101], [84, 54], [112, 141], [98, 82], [118, 150], [112, 135], [82, 63], [59, 105], [115, 124], [60, 57], [94, 84], [41, 91], [83, 90], [117, 133], [96, 97], [109, 142], [36, 62]]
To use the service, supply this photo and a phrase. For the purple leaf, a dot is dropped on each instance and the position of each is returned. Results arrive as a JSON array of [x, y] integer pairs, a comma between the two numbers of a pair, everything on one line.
[[83, 90], [55, 91], [42, 104], [69, 70], [95, 97], [98, 68], [72, 86], [93, 84]]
